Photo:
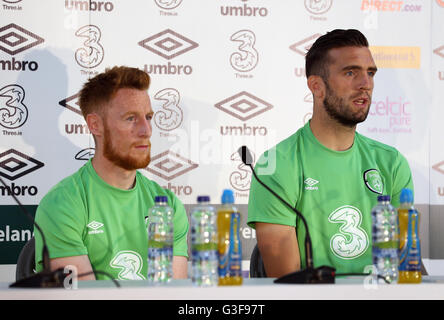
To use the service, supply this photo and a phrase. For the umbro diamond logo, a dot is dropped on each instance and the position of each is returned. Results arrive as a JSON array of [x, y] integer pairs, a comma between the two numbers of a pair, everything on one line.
[[72, 103], [15, 39], [310, 184], [301, 47], [168, 44], [95, 226], [439, 51], [15, 164], [243, 106], [169, 165]]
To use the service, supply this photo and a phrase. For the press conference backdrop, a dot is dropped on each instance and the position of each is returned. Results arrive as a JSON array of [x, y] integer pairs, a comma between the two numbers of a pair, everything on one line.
[[225, 73]]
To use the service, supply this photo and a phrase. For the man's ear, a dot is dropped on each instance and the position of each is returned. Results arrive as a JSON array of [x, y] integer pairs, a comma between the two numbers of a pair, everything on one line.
[[95, 124], [317, 87]]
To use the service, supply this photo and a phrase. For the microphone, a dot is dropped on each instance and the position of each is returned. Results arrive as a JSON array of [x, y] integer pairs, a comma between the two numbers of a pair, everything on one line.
[[322, 274]]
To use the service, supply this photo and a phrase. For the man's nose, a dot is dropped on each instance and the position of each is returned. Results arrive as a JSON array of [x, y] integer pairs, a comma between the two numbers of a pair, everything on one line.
[[145, 129], [366, 82]]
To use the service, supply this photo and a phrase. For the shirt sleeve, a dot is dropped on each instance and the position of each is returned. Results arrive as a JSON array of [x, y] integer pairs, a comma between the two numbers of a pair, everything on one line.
[[181, 226], [263, 206], [402, 178], [62, 221]]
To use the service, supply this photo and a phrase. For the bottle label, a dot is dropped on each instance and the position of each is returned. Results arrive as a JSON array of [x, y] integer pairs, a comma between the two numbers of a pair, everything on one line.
[[230, 262], [410, 251], [204, 252]]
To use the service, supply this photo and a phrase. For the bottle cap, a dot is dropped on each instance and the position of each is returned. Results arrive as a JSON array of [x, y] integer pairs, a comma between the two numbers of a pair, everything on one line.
[[227, 196], [383, 198], [406, 196], [158, 199], [203, 199]]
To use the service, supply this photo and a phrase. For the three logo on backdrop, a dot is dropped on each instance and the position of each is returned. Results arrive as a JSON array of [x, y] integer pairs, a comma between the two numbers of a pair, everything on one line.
[[13, 111], [169, 6], [246, 57], [91, 54], [170, 116], [240, 179], [318, 8], [11, 5]]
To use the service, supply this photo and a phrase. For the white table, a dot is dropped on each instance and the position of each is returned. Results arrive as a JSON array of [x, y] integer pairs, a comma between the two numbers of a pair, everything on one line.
[[350, 288]]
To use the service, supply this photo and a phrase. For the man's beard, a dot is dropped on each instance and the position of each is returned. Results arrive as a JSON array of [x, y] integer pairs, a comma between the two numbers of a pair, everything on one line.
[[126, 162], [338, 110]]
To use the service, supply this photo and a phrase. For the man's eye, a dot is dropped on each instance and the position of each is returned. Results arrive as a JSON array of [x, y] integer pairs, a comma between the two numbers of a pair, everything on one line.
[[132, 118], [349, 73]]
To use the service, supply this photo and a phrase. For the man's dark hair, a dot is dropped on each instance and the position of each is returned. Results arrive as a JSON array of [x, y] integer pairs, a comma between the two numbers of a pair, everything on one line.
[[317, 58]]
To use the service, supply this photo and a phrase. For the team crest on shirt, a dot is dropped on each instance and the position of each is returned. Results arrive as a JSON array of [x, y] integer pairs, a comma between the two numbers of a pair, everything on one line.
[[373, 181]]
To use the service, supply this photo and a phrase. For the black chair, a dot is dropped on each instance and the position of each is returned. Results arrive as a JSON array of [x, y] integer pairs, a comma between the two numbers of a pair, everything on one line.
[[26, 261], [257, 268]]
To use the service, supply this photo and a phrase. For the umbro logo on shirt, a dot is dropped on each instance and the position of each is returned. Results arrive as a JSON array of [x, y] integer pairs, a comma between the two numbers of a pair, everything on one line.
[[310, 184], [94, 227]]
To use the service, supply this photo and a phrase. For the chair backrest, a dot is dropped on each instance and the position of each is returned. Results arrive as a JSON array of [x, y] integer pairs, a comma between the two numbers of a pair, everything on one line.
[[257, 268], [26, 261]]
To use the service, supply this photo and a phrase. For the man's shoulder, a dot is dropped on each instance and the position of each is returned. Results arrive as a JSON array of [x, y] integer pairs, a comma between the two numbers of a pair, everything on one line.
[[153, 187], [377, 146], [147, 183], [70, 185], [285, 149]]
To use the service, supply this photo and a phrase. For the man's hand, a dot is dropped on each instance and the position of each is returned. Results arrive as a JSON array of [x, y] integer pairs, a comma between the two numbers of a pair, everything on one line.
[[180, 267], [279, 248]]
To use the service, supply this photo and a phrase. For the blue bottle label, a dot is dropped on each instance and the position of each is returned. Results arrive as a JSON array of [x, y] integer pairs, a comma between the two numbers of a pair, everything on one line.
[[230, 262], [410, 253]]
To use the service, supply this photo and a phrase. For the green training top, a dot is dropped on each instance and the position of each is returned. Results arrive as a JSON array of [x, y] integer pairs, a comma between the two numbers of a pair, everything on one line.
[[83, 215], [335, 192]]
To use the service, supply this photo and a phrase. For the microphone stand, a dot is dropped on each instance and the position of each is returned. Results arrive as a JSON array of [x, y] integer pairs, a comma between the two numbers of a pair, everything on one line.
[[322, 274]]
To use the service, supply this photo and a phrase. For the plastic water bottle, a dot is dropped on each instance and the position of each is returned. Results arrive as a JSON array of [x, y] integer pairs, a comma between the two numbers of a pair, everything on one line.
[[160, 241], [385, 239], [409, 244], [229, 245], [204, 259]]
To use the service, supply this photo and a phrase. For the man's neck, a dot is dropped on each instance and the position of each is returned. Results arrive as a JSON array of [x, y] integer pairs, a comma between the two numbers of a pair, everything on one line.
[[113, 174], [331, 134]]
